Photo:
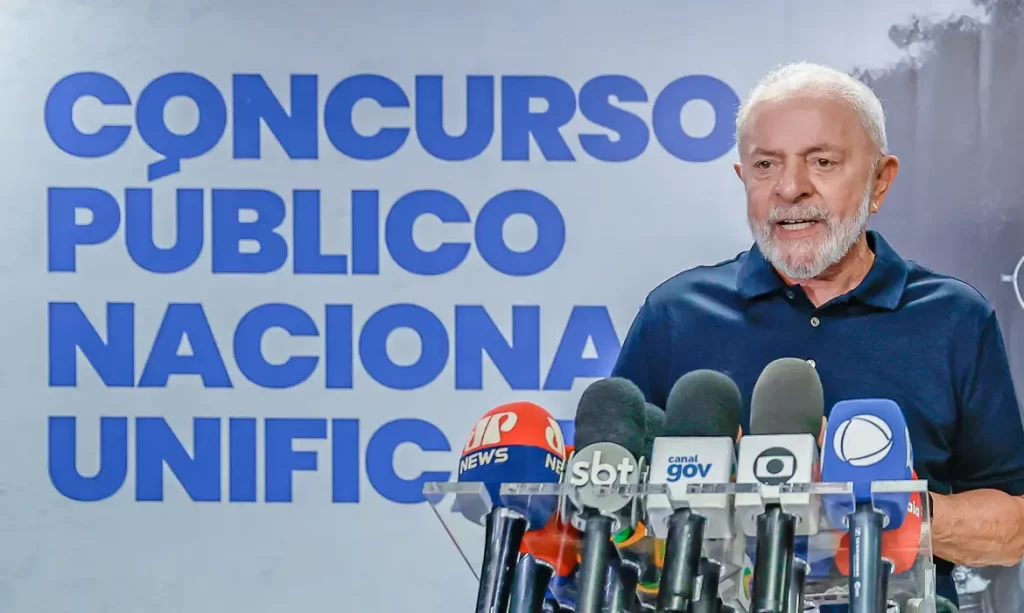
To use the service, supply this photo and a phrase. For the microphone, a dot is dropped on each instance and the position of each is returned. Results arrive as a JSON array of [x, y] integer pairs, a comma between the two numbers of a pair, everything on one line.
[[709, 576], [529, 585], [562, 588], [786, 411], [696, 445], [516, 442], [654, 423], [641, 557], [610, 428], [546, 555], [900, 547], [620, 586], [867, 441], [636, 547]]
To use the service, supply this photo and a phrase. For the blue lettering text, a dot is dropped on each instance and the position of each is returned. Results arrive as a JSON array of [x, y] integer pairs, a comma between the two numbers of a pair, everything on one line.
[[473, 334], [267, 212], [199, 472], [615, 103]]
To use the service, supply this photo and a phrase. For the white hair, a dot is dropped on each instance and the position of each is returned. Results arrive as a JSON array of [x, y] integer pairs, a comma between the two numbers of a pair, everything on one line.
[[803, 78]]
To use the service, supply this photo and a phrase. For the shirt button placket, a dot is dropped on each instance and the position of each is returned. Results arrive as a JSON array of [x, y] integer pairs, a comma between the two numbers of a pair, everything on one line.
[[815, 322]]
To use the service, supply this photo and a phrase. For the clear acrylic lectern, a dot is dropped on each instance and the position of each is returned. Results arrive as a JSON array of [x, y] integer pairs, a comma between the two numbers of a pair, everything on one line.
[[823, 548]]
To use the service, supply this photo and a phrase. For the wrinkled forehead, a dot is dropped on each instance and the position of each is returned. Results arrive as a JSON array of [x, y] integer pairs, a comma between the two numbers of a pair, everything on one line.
[[803, 123]]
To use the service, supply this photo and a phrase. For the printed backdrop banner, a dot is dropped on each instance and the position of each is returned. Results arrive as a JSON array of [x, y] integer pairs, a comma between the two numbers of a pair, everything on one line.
[[265, 264]]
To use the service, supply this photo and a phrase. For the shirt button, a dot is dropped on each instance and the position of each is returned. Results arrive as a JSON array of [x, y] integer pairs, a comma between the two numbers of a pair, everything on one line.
[[815, 322], [789, 294]]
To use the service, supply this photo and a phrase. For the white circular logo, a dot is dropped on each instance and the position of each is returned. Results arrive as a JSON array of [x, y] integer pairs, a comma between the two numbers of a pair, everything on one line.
[[1014, 278], [597, 471], [863, 440]]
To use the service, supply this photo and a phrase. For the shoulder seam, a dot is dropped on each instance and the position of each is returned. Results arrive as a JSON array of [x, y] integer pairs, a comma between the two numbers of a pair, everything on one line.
[[976, 291], [696, 268]]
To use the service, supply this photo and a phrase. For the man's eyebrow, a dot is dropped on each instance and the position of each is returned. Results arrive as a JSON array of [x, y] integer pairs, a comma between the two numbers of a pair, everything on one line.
[[821, 148], [760, 151], [818, 148]]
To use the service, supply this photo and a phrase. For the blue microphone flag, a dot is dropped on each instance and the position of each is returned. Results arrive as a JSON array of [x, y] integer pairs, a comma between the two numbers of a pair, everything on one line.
[[867, 440]]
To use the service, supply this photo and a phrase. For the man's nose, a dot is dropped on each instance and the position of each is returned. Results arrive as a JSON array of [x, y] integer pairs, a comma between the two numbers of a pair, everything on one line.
[[794, 183]]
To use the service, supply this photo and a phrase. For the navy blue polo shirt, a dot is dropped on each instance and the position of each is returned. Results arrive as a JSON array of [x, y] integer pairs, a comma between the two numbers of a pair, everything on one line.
[[927, 341]]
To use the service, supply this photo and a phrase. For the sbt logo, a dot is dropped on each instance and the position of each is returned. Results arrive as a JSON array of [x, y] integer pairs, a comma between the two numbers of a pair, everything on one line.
[[603, 464], [687, 467]]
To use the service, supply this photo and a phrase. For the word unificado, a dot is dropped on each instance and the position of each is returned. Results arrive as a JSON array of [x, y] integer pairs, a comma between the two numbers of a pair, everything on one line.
[[244, 459]]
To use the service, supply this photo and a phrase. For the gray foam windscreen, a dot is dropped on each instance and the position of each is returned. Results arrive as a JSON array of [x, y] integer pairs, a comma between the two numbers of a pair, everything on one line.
[[654, 425], [703, 403], [787, 399], [612, 410]]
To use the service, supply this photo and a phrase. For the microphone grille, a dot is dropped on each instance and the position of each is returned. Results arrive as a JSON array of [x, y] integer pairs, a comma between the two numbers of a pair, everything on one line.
[[787, 399], [612, 410], [655, 425], [703, 403]]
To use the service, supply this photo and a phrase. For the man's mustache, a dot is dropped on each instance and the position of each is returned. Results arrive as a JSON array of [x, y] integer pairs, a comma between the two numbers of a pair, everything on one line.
[[788, 213]]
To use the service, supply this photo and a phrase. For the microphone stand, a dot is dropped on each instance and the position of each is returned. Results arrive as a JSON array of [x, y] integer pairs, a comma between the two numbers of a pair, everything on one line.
[[530, 585], [619, 592], [866, 559], [776, 538], [504, 536], [885, 569], [596, 550], [683, 549], [798, 585], [941, 605], [706, 598]]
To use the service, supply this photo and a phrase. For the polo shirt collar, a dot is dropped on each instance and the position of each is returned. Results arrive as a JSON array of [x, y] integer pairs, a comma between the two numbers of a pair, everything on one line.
[[882, 287], [757, 277]]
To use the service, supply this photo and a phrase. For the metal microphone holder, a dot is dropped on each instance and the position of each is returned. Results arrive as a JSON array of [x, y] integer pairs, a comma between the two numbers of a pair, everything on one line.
[[504, 537]]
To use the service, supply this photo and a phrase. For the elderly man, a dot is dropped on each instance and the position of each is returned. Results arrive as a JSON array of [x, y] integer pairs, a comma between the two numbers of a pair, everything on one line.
[[818, 285]]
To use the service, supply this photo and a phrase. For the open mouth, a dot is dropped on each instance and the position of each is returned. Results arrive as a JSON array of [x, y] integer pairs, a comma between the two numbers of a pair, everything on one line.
[[796, 224]]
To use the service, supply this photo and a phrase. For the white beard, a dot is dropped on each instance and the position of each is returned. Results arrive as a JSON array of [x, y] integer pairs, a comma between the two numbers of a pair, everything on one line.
[[807, 258]]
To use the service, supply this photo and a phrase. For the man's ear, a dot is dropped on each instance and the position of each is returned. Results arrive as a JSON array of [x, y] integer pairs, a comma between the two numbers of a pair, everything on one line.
[[739, 170], [885, 173]]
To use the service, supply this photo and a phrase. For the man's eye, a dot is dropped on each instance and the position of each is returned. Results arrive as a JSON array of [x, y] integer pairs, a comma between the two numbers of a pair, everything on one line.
[[763, 165], [823, 163]]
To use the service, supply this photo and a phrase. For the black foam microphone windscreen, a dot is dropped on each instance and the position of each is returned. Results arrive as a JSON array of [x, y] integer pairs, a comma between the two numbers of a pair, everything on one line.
[[787, 399], [654, 419], [612, 410], [611, 413], [703, 403]]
